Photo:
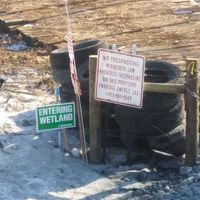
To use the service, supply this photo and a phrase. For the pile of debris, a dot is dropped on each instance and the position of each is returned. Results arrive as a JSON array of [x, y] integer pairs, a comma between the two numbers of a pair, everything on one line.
[[16, 40]]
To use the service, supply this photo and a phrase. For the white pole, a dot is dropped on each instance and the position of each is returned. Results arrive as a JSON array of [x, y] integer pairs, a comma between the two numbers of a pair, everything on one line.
[[57, 95]]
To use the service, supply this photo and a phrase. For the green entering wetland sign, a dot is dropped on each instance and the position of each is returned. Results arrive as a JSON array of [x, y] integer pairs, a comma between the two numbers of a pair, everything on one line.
[[55, 116]]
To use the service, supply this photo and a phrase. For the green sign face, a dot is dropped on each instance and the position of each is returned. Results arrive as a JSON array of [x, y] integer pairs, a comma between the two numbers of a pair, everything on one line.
[[55, 116]]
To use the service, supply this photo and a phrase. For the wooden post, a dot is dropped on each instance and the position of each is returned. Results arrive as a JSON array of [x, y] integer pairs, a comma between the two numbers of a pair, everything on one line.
[[95, 153], [67, 146], [192, 111], [164, 88]]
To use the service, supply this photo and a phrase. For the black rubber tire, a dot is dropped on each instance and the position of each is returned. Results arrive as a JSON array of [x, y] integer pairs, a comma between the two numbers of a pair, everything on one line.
[[161, 113], [155, 105], [159, 102], [174, 143], [161, 72], [61, 73], [150, 123], [67, 92], [83, 76], [59, 58], [134, 142], [142, 127], [86, 48], [61, 76]]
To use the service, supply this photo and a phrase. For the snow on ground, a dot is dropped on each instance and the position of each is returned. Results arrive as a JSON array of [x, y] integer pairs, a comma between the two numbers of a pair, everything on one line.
[[32, 168], [31, 164]]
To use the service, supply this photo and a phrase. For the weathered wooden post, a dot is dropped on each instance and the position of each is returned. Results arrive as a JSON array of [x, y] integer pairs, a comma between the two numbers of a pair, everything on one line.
[[192, 111], [95, 153]]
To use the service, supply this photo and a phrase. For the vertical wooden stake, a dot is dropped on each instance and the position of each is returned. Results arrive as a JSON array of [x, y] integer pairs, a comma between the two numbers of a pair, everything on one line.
[[81, 129], [95, 154], [67, 147], [192, 111]]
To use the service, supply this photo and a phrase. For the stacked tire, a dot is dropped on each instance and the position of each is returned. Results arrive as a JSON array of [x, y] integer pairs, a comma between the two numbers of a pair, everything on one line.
[[160, 123], [59, 59]]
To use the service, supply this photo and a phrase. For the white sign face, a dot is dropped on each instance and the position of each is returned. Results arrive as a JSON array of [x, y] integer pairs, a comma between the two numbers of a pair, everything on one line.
[[119, 78]]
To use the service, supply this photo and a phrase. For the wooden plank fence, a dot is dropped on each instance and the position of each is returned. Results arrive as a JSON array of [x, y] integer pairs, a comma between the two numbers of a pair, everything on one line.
[[190, 91]]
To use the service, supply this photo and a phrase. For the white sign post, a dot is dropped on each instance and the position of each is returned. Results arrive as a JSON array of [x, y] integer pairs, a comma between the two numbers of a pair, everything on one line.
[[120, 78]]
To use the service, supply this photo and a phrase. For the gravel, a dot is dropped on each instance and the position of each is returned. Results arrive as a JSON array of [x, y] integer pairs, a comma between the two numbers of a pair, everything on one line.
[[155, 184]]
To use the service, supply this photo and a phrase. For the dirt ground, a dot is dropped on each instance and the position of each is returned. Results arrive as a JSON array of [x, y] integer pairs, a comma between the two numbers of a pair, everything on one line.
[[30, 166], [153, 25]]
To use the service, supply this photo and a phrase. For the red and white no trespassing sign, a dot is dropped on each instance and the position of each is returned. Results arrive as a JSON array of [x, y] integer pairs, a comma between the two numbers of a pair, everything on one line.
[[119, 78]]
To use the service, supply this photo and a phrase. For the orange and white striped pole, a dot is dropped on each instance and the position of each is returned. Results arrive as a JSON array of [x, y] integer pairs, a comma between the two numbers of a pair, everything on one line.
[[76, 85]]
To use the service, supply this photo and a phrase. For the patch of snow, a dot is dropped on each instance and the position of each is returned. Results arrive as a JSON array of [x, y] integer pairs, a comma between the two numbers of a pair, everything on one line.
[[183, 11], [19, 46], [28, 25], [31, 165]]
